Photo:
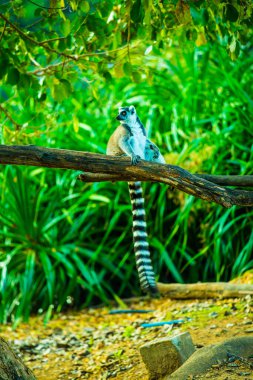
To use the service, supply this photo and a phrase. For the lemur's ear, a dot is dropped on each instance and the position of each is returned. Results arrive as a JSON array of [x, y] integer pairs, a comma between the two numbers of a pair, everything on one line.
[[132, 109]]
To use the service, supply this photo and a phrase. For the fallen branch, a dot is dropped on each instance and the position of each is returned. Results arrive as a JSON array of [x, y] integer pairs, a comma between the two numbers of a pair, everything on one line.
[[120, 168], [205, 290]]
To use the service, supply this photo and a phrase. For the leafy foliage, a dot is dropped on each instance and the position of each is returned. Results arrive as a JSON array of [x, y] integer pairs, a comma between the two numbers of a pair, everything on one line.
[[47, 46], [187, 67]]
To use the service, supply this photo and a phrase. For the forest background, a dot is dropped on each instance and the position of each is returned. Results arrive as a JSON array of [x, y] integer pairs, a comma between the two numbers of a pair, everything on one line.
[[65, 68]]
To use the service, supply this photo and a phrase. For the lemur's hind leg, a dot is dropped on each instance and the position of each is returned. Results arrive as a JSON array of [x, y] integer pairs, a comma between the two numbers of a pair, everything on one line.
[[152, 153]]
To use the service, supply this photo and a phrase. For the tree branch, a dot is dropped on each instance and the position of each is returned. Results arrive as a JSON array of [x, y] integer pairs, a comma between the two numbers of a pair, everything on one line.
[[7, 114], [38, 43], [223, 180], [44, 44], [205, 290], [2, 34], [120, 168], [41, 6], [50, 68], [229, 180]]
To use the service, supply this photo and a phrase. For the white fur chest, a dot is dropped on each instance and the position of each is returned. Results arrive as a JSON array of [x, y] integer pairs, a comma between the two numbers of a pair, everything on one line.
[[138, 140]]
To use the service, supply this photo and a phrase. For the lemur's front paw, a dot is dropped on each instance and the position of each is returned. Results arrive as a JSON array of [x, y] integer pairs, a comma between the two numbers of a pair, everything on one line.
[[135, 159]]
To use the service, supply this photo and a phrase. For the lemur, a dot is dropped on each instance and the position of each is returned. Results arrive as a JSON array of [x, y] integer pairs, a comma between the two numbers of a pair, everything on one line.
[[130, 139]]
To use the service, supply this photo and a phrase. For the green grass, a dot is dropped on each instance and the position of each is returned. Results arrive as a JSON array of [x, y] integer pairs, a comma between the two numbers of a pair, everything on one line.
[[65, 244]]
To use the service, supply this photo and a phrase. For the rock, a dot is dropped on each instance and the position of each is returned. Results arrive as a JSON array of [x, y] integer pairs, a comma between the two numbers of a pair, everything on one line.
[[206, 357], [163, 356], [11, 366], [249, 331]]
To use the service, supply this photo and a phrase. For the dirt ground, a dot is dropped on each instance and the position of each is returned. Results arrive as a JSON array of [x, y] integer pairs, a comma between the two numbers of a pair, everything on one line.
[[94, 344]]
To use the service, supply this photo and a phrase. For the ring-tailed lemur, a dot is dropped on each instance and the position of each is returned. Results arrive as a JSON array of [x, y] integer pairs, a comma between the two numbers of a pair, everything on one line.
[[130, 139]]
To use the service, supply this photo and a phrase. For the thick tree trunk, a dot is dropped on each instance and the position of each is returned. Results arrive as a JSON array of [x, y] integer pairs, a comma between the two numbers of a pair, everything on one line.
[[205, 290], [11, 366]]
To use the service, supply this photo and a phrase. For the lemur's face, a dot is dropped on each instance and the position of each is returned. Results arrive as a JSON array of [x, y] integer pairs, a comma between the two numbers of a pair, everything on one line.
[[127, 114]]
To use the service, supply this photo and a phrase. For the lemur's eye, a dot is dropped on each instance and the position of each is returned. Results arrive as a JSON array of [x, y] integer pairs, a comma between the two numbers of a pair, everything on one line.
[[123, 113]]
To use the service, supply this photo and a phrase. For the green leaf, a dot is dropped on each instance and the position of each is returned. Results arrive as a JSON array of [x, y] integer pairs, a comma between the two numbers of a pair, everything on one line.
[[25, 81], [199, 17], [191, 34], [196, 3], [232, 46], [148, 50], [85, 6], [136, 77], [230, 13], [107, 76], [234, 49], [127, 68], [66, 86], [66, 27], [137, 12], [4, 63], [13, 76], [61, 90]]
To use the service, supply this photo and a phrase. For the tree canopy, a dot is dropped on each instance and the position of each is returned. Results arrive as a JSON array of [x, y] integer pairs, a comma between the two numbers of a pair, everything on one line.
[[48, 45]]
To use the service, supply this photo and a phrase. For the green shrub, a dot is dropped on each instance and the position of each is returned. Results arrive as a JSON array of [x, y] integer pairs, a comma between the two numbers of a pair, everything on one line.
[[65, 243]]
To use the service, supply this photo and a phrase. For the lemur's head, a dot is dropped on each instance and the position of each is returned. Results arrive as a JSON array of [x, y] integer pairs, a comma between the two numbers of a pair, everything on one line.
[[127, 114]]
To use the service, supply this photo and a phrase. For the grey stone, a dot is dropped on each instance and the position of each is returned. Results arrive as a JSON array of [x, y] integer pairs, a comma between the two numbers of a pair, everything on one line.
[[206, 357], [163, 356]]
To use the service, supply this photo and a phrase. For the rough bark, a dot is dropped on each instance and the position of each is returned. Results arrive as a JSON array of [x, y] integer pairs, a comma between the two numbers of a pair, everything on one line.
[[205, 357], [205, 290], [11, 366], [121, 168], [223, 180], [229, 180]]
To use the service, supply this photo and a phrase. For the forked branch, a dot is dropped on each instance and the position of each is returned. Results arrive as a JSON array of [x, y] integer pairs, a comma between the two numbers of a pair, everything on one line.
[[100, 167]]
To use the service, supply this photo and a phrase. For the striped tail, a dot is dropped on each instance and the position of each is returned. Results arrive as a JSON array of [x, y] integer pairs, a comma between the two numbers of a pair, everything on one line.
[[141, 246]]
